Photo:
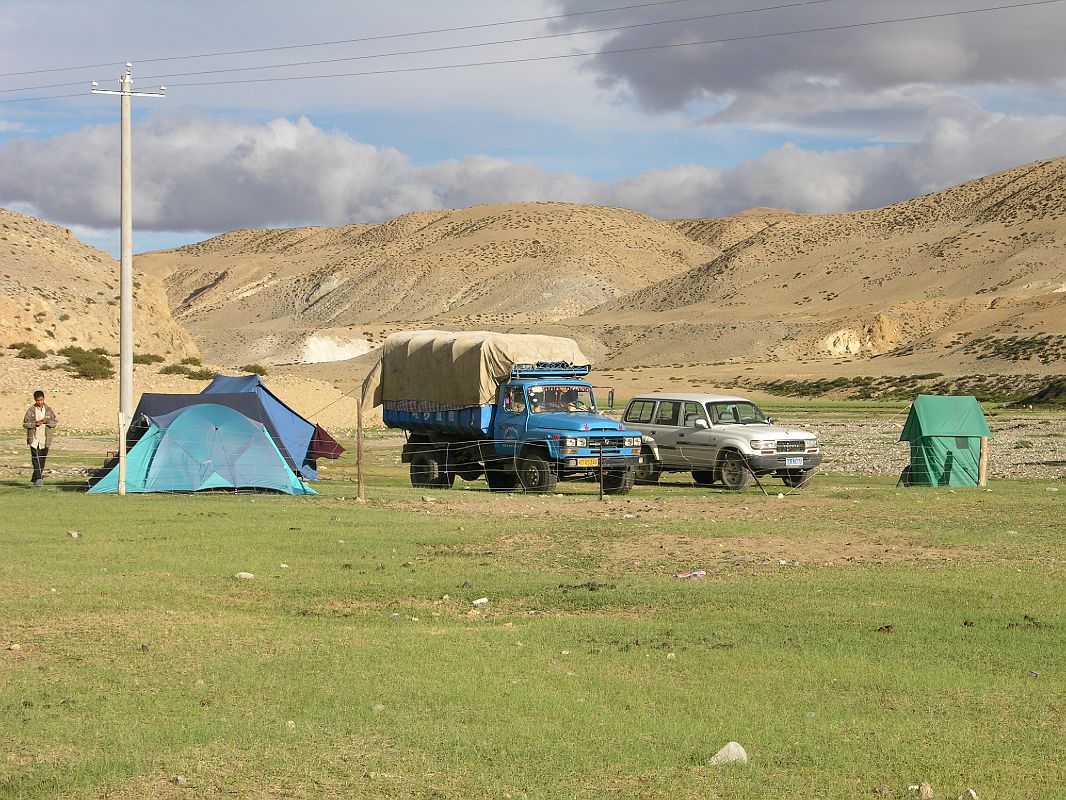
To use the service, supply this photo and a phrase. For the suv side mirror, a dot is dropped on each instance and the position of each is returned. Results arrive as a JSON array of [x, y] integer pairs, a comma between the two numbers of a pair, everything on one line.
[[702, 424]]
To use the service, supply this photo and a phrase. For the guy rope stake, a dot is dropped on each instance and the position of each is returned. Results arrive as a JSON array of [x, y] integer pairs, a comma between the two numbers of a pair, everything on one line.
[[125, 339]]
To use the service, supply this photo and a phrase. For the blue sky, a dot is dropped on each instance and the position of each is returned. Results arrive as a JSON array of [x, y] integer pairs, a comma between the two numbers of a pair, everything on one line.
[[820, 121]]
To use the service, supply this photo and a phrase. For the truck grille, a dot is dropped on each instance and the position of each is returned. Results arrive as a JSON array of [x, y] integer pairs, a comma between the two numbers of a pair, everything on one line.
[[791, 446], [607, 441]]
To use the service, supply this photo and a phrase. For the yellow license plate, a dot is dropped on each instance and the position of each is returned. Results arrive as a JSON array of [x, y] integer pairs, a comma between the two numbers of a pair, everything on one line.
[[588, 462]]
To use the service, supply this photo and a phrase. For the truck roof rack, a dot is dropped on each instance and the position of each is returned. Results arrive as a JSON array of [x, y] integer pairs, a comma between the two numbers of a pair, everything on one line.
[[550, 369]]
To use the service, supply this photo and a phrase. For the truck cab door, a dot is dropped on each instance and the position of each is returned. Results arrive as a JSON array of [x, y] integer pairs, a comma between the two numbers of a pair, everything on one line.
[[512, 417]]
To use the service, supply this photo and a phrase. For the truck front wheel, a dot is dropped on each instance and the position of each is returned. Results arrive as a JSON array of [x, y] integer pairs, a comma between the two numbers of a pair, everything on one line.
[[535, 473], [619, 481], [427, 472]]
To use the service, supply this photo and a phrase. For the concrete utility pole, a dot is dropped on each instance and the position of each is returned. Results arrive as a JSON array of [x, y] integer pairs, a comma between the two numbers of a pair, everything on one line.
[[125, 314]]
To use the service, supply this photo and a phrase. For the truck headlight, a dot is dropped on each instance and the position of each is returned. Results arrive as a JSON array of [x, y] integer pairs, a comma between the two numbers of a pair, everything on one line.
[[632, 441], [763, 444], [582, 442], [812, 444], [570, 443]]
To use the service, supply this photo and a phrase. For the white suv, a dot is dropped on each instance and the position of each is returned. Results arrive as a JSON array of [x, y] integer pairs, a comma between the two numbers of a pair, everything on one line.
[[717, 438]]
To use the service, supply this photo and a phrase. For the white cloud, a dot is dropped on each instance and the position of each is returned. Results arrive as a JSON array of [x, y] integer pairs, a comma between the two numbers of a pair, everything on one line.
[[206, 174]]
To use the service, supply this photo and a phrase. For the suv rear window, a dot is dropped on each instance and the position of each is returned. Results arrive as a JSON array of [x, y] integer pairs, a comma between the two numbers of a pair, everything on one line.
[[669, 411], [640, 411]]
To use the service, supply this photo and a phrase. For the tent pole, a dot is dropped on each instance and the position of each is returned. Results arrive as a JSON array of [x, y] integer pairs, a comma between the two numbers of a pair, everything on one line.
[[359, 450], [982, 464], [122, 427]]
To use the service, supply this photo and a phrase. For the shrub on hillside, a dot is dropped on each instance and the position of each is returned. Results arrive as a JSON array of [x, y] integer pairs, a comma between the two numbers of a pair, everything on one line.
[[201, 374], [27, 350], [175, 369], [254, 369], [192, 361], [92, 364], [147, 358]]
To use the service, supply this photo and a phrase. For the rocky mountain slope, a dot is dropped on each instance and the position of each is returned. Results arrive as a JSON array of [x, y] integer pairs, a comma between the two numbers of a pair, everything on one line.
[[310, 293], [940, 279], [56, 291]]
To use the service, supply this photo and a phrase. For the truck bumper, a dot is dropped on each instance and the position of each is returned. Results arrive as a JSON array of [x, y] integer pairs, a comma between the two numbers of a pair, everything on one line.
[[586, 463], [764, 464]]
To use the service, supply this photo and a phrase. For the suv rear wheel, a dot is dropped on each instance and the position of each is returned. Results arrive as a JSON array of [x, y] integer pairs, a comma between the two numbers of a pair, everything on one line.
[[735, 472]]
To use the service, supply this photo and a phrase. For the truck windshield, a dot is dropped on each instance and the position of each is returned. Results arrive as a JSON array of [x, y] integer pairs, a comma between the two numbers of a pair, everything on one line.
[[735, 413], [561, 399]]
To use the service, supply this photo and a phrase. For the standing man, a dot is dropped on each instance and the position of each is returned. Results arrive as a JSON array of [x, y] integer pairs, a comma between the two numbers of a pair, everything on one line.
[[38, 422]]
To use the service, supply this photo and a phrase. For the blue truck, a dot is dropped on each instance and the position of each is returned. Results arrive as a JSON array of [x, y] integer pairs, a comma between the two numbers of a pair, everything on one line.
[[536, 424]]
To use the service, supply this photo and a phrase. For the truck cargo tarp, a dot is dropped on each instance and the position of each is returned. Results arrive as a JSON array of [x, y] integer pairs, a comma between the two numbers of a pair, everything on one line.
[[457, 370]]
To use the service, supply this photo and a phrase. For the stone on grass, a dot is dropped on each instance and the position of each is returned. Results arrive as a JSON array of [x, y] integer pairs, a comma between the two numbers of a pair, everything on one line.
[[732, 753], [969, 794], [14, 646], [73, 534], [180, 780], [481, 601], [925, 791], [244, 576], [290, 725]]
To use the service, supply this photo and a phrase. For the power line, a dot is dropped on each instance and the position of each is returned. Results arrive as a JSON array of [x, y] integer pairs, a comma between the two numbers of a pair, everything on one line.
[[354, 41], [425, 51], [645, 48], [589, 54]]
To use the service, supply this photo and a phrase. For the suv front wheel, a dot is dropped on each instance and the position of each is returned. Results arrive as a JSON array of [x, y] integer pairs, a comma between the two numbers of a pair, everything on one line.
[[735, 472]]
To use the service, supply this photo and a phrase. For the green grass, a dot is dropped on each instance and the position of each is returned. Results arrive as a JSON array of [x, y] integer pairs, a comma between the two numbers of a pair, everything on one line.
[[143, 658]]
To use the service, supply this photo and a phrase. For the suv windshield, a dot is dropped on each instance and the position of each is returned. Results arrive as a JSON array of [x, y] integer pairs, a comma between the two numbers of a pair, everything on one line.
[[735, 413]]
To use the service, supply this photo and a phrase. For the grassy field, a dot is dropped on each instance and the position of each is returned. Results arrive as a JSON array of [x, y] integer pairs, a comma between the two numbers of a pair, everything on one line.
[[908, 636]]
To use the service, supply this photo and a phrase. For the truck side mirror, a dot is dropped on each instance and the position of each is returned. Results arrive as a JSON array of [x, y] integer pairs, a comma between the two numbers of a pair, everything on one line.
[[702, 424]]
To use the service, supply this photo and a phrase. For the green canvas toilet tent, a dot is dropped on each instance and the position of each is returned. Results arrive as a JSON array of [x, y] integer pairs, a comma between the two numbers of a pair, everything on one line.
[[200, 448], [945, 435]]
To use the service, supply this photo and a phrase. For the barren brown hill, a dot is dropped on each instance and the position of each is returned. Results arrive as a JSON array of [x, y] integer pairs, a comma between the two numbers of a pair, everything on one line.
[[313, 294], [966, 278], [56, 291]]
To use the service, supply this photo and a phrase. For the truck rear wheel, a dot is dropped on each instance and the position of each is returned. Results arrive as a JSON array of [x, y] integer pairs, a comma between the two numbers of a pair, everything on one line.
[[619, 481], [428, 472], [535, 473], [735, 472]]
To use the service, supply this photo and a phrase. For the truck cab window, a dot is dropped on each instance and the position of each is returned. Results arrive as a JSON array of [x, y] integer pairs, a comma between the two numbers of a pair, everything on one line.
[[514, 401]]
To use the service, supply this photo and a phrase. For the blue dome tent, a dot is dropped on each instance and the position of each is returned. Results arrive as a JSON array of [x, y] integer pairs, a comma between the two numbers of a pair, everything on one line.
[[203, 447]]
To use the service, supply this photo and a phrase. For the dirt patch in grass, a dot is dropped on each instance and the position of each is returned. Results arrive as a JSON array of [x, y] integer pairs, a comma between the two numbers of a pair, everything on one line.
[[883, 548]]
